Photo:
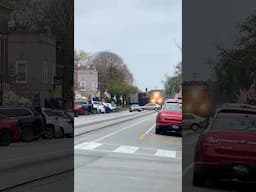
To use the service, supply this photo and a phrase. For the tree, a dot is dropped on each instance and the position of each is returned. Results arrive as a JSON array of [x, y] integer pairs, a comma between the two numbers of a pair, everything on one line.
[[173, 83], [236, 68]]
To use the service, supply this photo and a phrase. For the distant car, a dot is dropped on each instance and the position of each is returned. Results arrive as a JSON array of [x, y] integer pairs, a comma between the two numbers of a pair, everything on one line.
[[98, 107], [9, 130], [169, 119], [226, 149], [86, 106], [151, 106], [78, 110], [192, 121], [58, 124], [30, 121], [135, 107]]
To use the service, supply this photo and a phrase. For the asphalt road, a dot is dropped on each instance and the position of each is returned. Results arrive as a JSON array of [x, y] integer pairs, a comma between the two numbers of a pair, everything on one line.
[[189, 142], [127, 156]]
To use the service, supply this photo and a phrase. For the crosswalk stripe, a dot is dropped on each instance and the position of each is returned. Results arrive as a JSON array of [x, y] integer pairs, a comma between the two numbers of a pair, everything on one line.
[[90, 146], [126, 149], [165, 153]]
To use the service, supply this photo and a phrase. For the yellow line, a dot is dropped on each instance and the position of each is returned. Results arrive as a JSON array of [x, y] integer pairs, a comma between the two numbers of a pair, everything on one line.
[[142, 136]]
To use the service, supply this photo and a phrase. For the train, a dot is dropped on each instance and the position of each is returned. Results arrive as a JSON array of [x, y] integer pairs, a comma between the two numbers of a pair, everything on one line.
[[196, 98], [152, 96]]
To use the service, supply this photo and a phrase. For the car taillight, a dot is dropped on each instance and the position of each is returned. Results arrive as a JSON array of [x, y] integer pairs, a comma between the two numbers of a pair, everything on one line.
[[212, 139]]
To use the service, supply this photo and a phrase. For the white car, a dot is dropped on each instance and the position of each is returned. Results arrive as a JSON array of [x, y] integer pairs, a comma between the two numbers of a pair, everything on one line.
[[98, 107], [58, 124], [111, 106], [192, 121]]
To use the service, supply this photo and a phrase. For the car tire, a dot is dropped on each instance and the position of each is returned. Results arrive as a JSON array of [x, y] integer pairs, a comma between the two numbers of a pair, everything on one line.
[[62, 134], [76, 113], [27, 134], [199, 179], [195, 127], [49, 132], [5, 138]]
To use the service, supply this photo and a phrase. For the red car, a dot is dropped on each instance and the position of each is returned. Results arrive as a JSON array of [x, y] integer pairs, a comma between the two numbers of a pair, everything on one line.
[[78, 110], [227, 149], [169, 119], [9, 130]]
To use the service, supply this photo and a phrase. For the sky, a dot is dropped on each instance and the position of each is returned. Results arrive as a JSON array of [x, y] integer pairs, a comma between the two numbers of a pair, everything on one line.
[[146, 34]]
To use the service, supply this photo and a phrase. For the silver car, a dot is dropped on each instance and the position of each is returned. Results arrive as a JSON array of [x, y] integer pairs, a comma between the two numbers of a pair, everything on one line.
[[151, 106], [135, 107], [192, 121]]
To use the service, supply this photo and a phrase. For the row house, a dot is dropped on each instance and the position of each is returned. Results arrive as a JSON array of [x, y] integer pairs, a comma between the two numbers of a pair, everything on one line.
[[86, 82]]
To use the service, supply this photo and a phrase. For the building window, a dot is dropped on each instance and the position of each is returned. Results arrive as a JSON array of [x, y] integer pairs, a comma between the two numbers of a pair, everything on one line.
[[21, 71], [82, 85]]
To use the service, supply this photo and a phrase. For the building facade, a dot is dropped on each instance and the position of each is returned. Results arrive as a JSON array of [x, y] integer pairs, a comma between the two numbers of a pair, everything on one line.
[[86, 82], [32, 65]]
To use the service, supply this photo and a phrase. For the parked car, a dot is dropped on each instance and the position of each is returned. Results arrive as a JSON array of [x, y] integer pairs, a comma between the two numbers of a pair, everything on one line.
[[169, 119], [135, 107], [9, 130], [78, 110], [98, 107], [30, 121], [226, 149], [58, 123], [194, 122], [87, 106], [151, 106]]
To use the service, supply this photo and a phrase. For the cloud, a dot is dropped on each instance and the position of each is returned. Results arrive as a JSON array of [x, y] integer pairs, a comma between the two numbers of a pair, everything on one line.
[[140, 31]]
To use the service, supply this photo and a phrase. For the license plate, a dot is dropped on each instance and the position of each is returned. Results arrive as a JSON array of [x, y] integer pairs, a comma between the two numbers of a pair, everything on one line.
[[240, 169], [175, 127]]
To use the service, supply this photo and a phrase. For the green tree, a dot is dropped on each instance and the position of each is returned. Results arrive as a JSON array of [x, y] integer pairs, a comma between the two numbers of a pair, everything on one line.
[[236, 67], [173, 83]]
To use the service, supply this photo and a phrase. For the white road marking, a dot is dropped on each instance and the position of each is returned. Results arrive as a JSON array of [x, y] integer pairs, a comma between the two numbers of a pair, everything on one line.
[[90, 146], [126, 149], [119, 130], [187, 169], [165, 153], [147, 132], [79, 146]]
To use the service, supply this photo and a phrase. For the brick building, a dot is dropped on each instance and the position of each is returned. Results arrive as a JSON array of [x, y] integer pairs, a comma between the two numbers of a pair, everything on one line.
[[86, 82]]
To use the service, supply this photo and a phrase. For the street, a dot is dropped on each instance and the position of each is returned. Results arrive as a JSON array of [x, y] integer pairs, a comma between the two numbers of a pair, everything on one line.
[[189, 140], [124, 154]]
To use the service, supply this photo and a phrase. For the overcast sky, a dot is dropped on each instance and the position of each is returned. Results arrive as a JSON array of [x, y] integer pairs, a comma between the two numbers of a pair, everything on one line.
[[145, 33]]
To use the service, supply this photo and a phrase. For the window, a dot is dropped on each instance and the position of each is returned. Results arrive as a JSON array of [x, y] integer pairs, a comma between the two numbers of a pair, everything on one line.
[[21, 71], [82, 85], [15, 112]]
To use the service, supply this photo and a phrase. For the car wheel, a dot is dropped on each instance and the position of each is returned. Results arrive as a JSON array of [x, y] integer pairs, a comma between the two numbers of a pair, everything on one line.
[[199, 179], [27, 134], [194, 127], [62, 134], [76, 113], [94, 111], [49, 132], [5, 138]]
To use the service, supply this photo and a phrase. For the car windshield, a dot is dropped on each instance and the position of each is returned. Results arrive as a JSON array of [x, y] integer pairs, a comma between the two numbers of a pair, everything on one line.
[[234, 124], [170, 107]]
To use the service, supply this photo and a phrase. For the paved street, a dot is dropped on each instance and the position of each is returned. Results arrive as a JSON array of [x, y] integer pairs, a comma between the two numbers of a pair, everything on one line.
[[189, 142], [127, 156]]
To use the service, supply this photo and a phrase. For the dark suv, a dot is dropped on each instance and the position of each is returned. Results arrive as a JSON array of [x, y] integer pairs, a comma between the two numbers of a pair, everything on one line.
[[31, 123]]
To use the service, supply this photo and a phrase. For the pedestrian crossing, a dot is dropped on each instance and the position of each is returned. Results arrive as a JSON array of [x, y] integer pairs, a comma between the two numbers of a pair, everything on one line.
[[126, 149]]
